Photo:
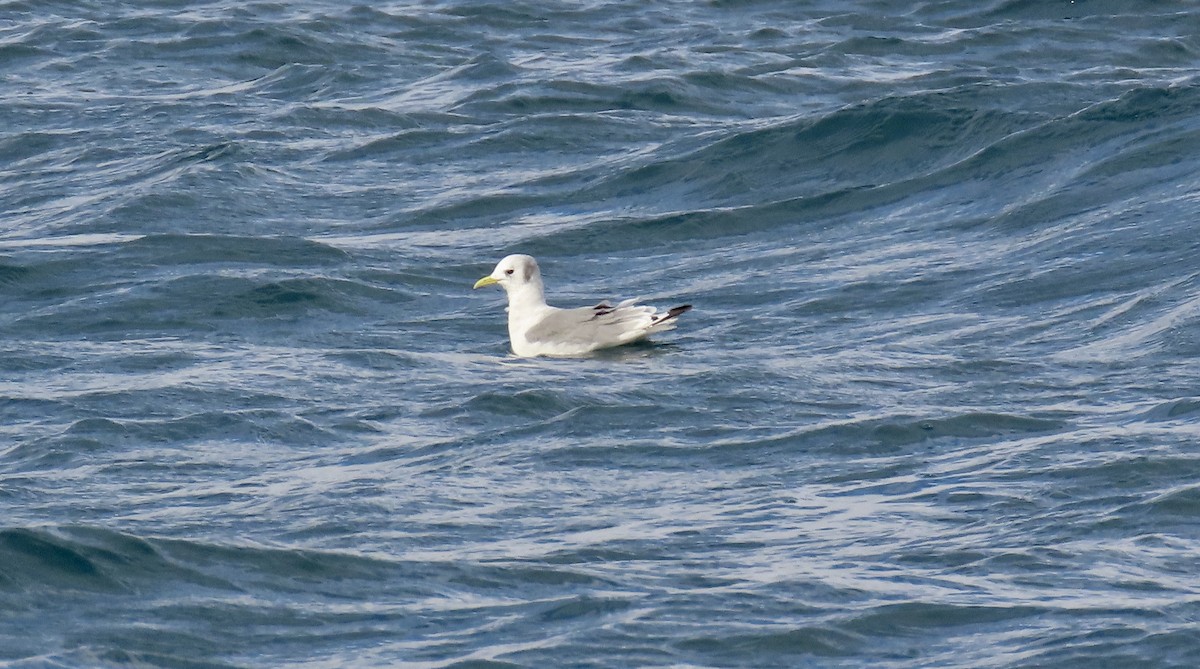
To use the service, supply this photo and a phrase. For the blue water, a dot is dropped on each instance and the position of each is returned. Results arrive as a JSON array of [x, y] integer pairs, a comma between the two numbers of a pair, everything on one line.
[[937, 404]]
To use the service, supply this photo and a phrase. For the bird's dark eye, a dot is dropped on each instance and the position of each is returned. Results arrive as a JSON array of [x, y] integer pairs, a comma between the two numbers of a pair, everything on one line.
[[508, 271]]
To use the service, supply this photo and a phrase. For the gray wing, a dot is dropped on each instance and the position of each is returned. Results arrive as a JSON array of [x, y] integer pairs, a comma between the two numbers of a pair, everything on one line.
[[601, 325]]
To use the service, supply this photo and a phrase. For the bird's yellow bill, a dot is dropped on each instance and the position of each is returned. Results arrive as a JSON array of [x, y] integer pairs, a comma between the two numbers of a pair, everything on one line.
[[485, 281]]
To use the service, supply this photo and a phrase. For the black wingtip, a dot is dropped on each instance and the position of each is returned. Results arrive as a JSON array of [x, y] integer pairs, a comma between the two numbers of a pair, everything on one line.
[[675, 311]]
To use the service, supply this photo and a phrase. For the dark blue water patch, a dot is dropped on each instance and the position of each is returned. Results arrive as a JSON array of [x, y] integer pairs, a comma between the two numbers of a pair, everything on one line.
[[294, 82], [663, 96], [1115, 646], [117, 182], [379, 358], [35, 454], [1101, 496], [881, 435], [774, 648], [1181, 409], [191, 303], [970, 426], [191, 587], [64, 36], [180, 653], [1167, 509], [278, 297], [1075, 143], [33, 149], [613, 236], [91, 384], [361, 130], [1157, 106], [69, 556], [262, 426], [894, 139], [1029, 9], [488, 207], [569, 449], [160, 250], [975, 141], [17, 54], [424, 453], [488, 16], [10, 274], [401, 143], [926, 123], [84, 441], [906, 619], [253, 45], [576, 133], [527, 403], [1175, 50], [88, 560], [483, 664]]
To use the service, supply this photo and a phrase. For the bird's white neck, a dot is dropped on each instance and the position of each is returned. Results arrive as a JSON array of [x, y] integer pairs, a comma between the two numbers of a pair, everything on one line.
[[527, 295]]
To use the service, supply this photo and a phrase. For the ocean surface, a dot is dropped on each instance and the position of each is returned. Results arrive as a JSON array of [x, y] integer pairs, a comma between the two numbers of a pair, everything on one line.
[[938, 404]]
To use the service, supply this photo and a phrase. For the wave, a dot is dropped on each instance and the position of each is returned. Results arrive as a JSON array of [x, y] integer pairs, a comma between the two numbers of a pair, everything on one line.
[[954, 154]]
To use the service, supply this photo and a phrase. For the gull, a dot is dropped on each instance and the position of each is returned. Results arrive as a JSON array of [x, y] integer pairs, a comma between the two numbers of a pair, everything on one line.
[[536, 328]]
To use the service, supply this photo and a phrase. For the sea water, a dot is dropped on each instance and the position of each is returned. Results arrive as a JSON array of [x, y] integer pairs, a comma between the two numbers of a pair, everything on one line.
[[936, 405]]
